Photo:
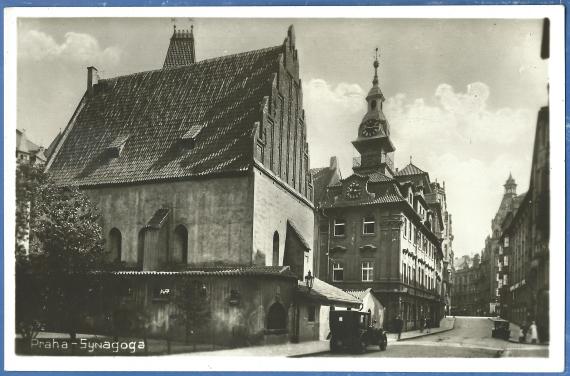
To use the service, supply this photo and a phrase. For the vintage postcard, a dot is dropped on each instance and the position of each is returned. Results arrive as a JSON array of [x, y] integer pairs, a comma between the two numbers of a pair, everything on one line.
[[284, 188]]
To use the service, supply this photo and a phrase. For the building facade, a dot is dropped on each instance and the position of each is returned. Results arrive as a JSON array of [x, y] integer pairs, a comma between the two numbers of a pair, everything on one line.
[[201, 171], [524, 264], [381, 228]]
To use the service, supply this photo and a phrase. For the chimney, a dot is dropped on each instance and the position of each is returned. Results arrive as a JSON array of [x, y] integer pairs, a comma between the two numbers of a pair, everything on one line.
[[333, 163], [92, 79]]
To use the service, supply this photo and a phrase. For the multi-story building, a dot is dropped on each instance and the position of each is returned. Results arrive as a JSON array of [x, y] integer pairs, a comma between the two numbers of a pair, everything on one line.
[[524, 240], [465, 294], [27, 151], [438, 202], [381, 228]]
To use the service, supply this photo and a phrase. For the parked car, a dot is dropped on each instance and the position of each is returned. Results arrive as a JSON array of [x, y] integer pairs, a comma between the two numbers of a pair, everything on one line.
[[353, 330], [501, 329]]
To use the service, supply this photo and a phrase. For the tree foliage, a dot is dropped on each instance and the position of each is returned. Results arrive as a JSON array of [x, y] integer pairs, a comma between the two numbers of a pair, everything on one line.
[[58, 243]]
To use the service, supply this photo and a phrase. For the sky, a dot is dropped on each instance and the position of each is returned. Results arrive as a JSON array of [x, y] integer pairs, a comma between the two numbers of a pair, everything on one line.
[[462, 96]]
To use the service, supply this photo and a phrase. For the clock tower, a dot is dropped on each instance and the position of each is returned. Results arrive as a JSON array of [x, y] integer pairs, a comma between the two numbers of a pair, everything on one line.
[[373, 140]]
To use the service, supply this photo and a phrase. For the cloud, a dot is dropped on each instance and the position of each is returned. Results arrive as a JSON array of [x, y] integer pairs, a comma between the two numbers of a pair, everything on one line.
[[76, 47], [456, 136]]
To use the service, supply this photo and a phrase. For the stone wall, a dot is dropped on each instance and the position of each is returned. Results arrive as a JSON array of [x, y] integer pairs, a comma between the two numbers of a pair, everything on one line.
[[273, 207], [216, 212]]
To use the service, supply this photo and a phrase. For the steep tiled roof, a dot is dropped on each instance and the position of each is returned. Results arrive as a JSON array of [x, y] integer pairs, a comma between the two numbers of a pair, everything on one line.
[[410, 169], [283, 271], [391, 195], [51, 148], [156, 109], [326, 293]]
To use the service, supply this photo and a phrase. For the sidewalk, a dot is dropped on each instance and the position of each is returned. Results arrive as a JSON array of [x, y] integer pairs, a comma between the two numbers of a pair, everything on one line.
[[445, 324], [281, 350], [515, 335], [313, 347]]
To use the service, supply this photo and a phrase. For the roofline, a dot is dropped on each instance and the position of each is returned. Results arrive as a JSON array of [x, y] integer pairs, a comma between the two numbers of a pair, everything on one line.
[[222, 174]]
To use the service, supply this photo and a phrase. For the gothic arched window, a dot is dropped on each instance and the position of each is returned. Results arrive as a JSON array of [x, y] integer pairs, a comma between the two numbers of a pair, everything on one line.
[[275, 259], [181, 244], [115, 240]]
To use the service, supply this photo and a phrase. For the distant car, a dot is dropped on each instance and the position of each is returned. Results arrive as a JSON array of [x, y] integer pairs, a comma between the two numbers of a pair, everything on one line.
[[501, 329], [354, 331]]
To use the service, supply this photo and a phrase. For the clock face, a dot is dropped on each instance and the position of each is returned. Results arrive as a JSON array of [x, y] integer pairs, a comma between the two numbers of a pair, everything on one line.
[[353, 190], [370, 128]]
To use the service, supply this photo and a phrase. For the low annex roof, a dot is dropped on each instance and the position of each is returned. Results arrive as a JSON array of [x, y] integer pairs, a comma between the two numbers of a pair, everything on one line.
[[284, 271], [326, 293], [215, 102]]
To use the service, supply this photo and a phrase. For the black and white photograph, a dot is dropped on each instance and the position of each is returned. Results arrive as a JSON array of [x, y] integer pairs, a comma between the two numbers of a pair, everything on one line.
[[334, 188]]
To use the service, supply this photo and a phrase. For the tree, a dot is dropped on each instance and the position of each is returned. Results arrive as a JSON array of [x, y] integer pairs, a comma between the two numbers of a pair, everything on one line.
[[58, 243]]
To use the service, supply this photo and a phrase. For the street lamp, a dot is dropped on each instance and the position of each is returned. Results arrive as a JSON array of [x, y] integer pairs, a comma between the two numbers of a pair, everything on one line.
[[309, 280]]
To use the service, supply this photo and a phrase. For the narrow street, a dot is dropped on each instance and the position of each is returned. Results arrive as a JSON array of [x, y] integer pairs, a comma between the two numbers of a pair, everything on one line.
[[470, 338]]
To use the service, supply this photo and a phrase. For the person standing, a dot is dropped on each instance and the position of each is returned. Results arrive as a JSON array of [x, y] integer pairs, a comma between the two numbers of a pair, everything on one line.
[[533, 333], [422, 323], [428, 324]]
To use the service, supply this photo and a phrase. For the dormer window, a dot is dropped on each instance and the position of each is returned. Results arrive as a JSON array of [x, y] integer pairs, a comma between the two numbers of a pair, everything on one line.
[[189, 138], [116, 147]]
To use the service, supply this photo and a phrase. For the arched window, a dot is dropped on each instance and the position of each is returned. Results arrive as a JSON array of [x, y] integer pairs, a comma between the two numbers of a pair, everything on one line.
[[373, 104], [275, 259], [277, 317], [180, 244], [140, 249], [115, 241]]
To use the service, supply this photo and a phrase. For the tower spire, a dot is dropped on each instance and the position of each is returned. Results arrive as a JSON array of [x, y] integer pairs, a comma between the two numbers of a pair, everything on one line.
[[376, 65]]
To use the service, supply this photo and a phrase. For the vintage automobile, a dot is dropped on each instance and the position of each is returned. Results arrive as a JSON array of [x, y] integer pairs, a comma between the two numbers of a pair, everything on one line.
[[353, 330], [500, 329]]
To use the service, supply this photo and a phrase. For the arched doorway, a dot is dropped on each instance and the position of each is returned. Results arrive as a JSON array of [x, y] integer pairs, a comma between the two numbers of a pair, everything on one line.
[[277, 317], [180, 253], [115, 244], [275, 259]]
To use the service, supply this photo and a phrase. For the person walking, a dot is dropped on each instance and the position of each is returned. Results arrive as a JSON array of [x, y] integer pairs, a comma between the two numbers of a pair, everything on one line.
[[428, 324], [399, 325], [533, 333]]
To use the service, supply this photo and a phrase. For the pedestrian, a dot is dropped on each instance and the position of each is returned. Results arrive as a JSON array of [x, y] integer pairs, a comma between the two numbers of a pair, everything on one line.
[[533, 333], [422, 323], [399, 325], [522, 337], [428, 324]]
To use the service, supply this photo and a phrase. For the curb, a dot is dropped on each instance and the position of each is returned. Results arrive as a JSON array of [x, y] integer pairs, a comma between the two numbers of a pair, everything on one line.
[[308, 354], [430, 333]]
